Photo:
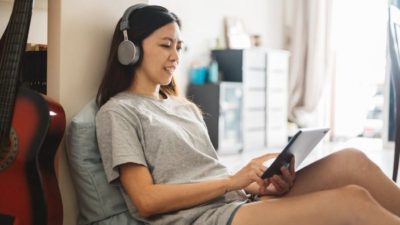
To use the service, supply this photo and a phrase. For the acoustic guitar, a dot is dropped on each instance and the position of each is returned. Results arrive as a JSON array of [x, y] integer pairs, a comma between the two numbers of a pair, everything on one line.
[[31, 128]]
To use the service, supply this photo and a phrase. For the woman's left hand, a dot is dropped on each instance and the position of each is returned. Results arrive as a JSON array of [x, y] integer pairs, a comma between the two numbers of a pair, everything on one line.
[[280, 184]]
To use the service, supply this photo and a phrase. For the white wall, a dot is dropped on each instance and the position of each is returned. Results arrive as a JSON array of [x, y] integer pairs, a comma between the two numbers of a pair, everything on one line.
[[79, 39], [202, 23]]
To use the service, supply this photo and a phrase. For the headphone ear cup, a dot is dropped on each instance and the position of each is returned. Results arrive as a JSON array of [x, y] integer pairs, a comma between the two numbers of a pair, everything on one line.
[[128, 53]]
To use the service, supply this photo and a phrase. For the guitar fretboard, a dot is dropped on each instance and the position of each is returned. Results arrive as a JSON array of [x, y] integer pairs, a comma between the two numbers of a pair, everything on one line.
[[13, 44]]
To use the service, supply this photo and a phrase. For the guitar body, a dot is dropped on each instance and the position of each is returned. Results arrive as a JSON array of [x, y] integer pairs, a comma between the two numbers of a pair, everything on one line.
[[46, 160], [31, 128], [29, 189]]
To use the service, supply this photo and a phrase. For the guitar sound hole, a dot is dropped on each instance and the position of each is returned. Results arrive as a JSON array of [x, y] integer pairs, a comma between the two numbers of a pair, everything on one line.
[[9, 151]]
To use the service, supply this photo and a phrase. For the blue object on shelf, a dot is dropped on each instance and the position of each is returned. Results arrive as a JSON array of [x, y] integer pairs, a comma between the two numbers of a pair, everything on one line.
[[213, 75], [198, 75]]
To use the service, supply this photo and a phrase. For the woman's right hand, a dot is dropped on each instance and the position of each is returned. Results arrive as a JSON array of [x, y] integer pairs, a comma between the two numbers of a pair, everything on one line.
[[252, 172]]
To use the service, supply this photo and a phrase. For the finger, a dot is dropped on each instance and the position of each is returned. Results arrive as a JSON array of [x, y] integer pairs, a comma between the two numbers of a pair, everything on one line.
[[254, 164], [257, 171], [267, 182], [260, 182], [271, 189], [291, 168], [267, 156], [264, 190], [280, 184], [287, 172], [260, 170], [287, 176], [264, 168], [275, 181]]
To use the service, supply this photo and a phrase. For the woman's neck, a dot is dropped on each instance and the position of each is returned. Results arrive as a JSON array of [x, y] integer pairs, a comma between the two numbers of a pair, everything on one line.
[[142, 86], [146, 92]]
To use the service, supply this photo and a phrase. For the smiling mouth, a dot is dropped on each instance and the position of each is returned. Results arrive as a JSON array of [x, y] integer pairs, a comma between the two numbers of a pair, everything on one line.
[[170, 70]]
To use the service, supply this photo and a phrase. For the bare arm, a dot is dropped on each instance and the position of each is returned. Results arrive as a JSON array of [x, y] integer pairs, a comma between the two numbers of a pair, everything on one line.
[[151, 199]]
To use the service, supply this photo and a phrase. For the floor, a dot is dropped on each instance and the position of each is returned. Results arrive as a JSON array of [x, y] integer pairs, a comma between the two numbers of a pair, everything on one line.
[[373, 148]]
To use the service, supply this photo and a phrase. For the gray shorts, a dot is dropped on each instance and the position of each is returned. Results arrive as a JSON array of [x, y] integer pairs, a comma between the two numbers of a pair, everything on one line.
[[220, 215], [233, 215]]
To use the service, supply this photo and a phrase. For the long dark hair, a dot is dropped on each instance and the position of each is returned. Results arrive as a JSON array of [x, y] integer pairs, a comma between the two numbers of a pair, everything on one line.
[[117, 77]]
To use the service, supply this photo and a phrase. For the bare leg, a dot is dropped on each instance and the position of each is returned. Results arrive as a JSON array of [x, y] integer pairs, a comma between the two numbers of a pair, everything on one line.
[[350, 205], [344, 168]]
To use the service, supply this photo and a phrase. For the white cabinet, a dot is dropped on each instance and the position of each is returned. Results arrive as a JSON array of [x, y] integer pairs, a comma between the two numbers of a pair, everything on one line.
[[264, 76], [254, 99], [277, 64], [265, 94]]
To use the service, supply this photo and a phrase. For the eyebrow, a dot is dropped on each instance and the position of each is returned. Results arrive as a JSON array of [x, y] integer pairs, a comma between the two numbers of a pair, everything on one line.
[[173, 40]]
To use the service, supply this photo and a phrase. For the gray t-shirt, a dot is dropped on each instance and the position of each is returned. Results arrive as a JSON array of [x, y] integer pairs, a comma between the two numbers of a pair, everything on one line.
[[170, 138]]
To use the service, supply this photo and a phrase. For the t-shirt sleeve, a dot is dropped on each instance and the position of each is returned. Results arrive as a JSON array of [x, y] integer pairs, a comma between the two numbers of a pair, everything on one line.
[[119, 142]]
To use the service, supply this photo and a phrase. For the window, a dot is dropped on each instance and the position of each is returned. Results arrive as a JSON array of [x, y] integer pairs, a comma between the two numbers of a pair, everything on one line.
[[359, 35]]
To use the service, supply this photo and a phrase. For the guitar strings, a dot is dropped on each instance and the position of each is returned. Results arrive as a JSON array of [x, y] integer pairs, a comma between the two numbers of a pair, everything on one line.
[[14, 64]]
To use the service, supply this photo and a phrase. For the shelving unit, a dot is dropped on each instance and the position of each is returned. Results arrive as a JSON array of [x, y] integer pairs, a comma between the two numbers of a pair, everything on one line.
[[221, 105], [34, 70], [264, 77]]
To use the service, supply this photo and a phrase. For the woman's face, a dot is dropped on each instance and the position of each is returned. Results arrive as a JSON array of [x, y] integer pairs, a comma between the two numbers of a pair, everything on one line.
[[161, 53]]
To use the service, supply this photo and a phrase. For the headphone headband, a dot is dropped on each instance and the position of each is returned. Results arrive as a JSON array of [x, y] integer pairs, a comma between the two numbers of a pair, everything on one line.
[[124, 25], [128, 52]]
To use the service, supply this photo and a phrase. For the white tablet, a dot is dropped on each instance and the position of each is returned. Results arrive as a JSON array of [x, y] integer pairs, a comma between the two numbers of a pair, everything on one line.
[[301, 144]]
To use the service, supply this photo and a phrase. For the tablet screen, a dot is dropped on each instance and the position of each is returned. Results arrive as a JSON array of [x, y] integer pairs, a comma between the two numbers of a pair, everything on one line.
[[302, 143]]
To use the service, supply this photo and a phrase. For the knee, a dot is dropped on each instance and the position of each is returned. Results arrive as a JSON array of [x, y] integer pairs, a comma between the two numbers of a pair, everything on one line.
[[354, 160], [352, 154], [355, 197], [353, 191]]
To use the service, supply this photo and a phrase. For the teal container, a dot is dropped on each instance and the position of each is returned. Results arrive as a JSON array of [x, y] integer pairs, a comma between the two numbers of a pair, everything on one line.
[[199, 75], [213, 73]]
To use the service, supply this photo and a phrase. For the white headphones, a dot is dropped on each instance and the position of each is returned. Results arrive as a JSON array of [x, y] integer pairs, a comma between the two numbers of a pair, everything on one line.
[[128, 52]]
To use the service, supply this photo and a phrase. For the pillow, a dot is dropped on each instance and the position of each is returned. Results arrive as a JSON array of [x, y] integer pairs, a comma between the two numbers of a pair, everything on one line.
[[98, 201]]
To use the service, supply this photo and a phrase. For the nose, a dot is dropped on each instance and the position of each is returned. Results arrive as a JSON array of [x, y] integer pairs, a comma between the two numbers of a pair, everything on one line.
[[175, 55]]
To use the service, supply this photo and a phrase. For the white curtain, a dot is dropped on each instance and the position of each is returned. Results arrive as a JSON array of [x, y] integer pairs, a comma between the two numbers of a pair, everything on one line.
[[311, 59]]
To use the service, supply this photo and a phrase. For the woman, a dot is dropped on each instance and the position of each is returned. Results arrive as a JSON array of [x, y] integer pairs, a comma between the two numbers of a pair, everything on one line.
[[155, 145]]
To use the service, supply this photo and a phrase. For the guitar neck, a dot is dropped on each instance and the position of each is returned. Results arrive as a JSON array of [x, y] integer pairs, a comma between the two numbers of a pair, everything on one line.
[[13, 43]]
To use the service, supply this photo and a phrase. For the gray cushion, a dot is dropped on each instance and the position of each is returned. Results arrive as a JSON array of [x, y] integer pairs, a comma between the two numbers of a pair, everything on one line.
[[98, 201]]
